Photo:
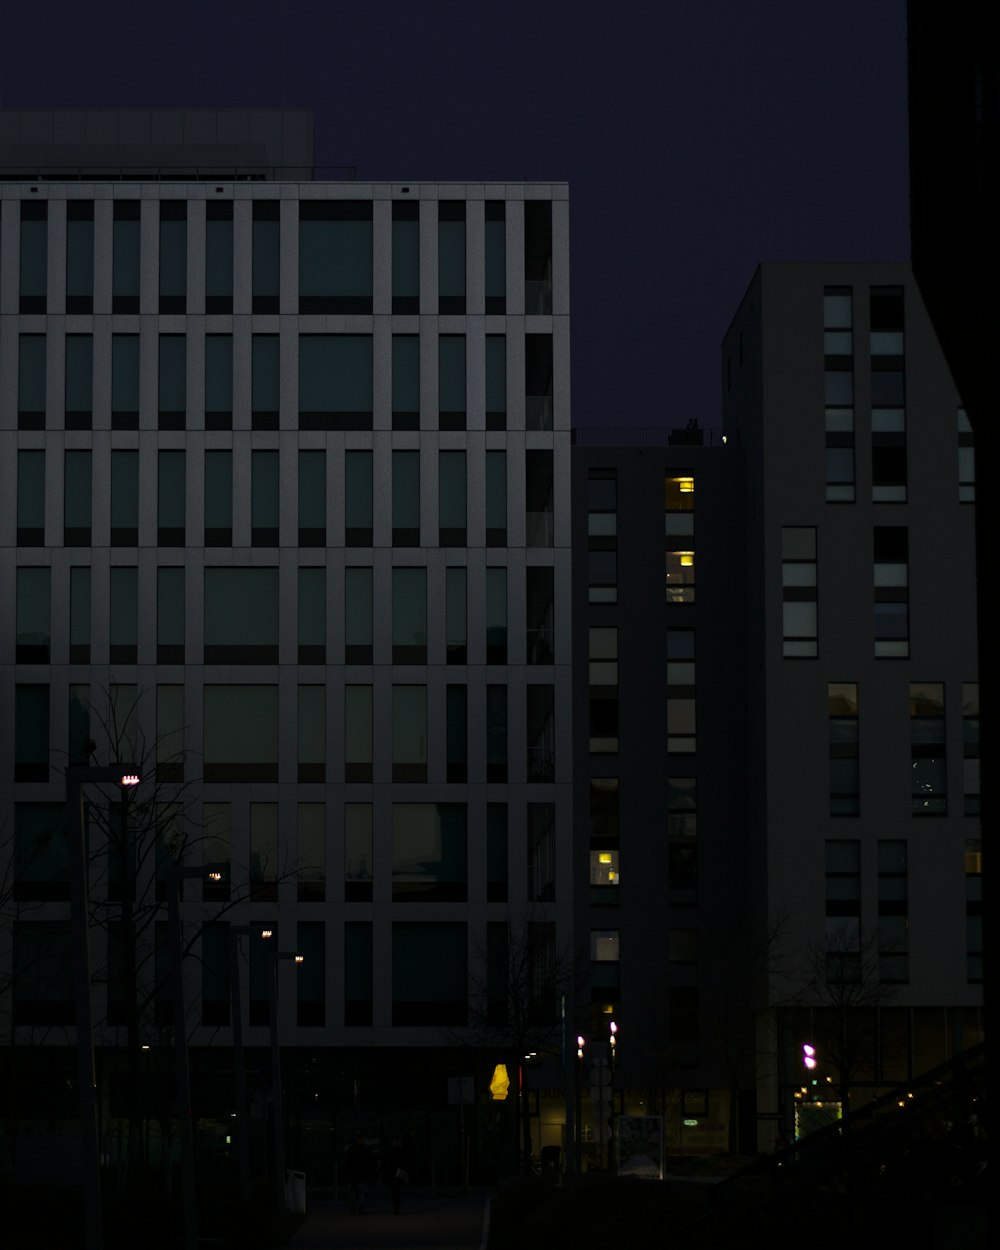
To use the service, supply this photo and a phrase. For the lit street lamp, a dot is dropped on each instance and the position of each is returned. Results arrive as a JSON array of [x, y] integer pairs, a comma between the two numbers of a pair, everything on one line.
[[279, 1127], [76, 777]]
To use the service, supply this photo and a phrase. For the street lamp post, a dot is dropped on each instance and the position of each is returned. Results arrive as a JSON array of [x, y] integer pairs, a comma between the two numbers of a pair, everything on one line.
[[76, 778], [279, 1127], [239, 1059]]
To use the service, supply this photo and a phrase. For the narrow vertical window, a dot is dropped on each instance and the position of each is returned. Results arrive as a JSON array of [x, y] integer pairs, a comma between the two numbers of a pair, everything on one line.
[[602, 654], [496, 256], [79, 256], [838, 350], [171, 500], [31, 382], [893, 913], [537, 256], [124, 381], [312, 733], [124, 616], [125, 257], [215, 973], [125, 498], [219, 256], [496, 381], [602, 536], [406, 382], [311, 870], [312, 498], [966, 459], [799, 592], [170, 618], [265, 266], [218, 381], [406, 498], [451, 382], [310, 984], [173, 256], [405, 256], [218, 498], [358, 498], [456, 630], [79, 614], [358, 733], [891, 576], [358, 970], [540, 613], [33, 631], [31, 733], [357, 852], [974, 911], [77, 499], [681, 700], [538, 498], [496, 615], [456, 733], [451, 256], [843, 911], [541, 732], [34, 255], [79, 390], [928, 754], [264, 852], [496, 733], [335, 256], [496, 499], [264, 501], [678, 521], [265, 382], [496, 852], [970, 746], [312, 615], [172, 381], [409, 616], [452, 499], [409, 733], [888, 395], [541, 840], [842, 714], [682, 842], [357, 616], [538, 381], [31, 498], [170, 733]]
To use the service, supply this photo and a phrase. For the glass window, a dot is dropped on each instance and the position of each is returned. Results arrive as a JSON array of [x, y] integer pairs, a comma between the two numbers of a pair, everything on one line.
[[842, 710], [496, 256], [456, 632], [358, 966], [265, 364], [335, 381], [312, 615], [41, 853], [264, 852], [43, 972], [124, 615], [496, 733], [216, 846], [358, 616], [540, 606], [125, 498], [358, 498], [215, 972], [406, 382], [219, 256], [335, 256], [241, 733], [31, 382], [682, 852], [429, 855], [537, 256], [358, 733], [312, 733], [170, 722], [124, 381], [541, 852], [451, 381], [173, 256], [799, 591], [409, 733], [538, 381], [451, 256], [33, 631], [405, 256], [451, 499], [678, 505], [77, 498], [312, 498], [310, 981], [241, 616], [496, 852], [172, 386], [264, 505], [970, 747], [218, 498], [79, 256], [171, 499], [31, 733], [169, 614], [541, 732], [31, 498], [406, 498], [891, 578], [603, 689], [496, 615], [357, 852], [79, 615], [265, 264], [311, 863], [496, 382], [430, 977], [409, 616], [966, 459], [457, 733], [540, 530], [496, 499], [125, 247], [928, 752], [79, 393], [218, 381], [34, 255]]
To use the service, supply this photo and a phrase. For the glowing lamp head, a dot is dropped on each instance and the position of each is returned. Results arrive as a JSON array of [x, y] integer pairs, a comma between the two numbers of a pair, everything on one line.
[[267, 933], [215, 876], [809, 1056], [130, 779], [300, 959]]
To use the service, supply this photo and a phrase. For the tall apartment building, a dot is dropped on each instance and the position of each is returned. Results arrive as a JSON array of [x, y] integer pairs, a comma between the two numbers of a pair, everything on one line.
[[862, 803], [285, 485]]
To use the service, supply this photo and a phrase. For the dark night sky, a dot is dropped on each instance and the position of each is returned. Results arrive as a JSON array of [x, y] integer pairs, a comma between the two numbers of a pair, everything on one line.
[[698, 137]]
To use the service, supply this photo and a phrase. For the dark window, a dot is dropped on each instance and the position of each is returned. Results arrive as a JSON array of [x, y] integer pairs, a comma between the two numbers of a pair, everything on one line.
[[123, 633], [241, 616], [358, 972], [170, 617], [34, 255], [358, 498], [312, 498], [125, 381], [218, 498], [496, 382], [537, 256], [77, 499], [265, 399], [429, 974], [218, 381], [172, 384], [125, 257], [79, 388], [538, 381], [31, 382], [335, 256], [170, 503], [31, 498], [266, 269], [406, 382], [451, 381], [310, 977], [219, 256], [33, 631], [264, 501], [451, 256], [312, 615], [406, 498], [124, 499], [451, 499], [457, 734], [335, 381], [496, 257], [405, 256], [79, 256], [31, 733], [173, 256]]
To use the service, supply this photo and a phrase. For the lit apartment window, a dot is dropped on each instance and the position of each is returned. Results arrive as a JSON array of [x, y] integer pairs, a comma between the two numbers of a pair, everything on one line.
[[928, 757], [970, 746], [843, 910], [79, 256], [603, 693], [799, 592], [682, 846], [842, 712], [888, 395], [358, 852], [219, 256], [602, 536], [605, 876], [974, 910], [893, 913], [892, 627], [678, 505], [681, 703], [838, 350], [966, 460]]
